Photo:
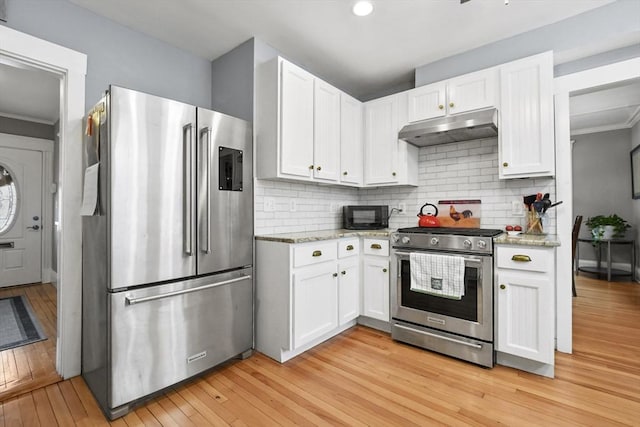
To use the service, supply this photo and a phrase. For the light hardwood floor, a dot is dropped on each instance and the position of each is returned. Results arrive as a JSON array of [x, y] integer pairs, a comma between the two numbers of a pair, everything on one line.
[[362, 377], [34, 365]]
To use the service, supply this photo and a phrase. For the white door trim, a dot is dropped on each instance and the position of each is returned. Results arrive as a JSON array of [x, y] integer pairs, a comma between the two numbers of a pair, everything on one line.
[[71, 67], [564, 85], [45, 146]]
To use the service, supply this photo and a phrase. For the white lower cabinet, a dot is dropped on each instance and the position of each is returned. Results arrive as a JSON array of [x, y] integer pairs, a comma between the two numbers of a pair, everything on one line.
[[525, 289], [315, 293], [348, 289], [305, 294], [375, 283]]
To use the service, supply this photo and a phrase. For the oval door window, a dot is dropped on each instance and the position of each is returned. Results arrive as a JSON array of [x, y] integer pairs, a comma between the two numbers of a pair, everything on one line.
[[8, 199]]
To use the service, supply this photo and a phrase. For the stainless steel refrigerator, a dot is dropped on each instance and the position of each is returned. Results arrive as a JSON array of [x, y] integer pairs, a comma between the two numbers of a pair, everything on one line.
[[167, 254]]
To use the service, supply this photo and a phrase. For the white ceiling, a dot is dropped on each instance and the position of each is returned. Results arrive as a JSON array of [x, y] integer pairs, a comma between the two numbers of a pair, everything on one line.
[[606, 108], [28, 93], [359, 55]]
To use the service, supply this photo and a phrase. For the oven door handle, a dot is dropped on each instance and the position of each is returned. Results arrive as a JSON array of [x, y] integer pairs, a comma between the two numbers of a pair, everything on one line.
[[469, 260], [468, 344]]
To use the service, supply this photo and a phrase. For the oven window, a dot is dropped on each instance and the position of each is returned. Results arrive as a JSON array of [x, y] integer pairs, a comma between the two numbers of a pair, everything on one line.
[[465, 308]]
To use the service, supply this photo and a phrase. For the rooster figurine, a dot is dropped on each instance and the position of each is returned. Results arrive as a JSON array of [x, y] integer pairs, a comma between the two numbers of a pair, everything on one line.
[[456, 216]]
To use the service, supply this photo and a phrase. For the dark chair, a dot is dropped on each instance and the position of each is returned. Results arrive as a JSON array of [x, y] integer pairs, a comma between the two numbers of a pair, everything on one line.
[[574, 242]]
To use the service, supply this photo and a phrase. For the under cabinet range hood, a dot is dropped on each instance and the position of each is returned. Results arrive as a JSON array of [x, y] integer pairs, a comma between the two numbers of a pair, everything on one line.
[[461, 127]]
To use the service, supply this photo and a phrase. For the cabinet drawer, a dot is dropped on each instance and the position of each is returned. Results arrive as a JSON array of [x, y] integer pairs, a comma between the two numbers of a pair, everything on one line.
[[348, 247], [314, 253], [376, 247], [525, 258]]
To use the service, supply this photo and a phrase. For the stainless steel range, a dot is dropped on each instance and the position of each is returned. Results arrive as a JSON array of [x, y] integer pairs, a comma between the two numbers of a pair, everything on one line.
[[463, 327]]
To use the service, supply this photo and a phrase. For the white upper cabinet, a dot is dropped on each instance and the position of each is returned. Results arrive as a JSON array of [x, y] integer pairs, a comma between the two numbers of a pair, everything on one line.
[[526, 135], [458, 95], [388, 161], [296, 121], [381, 140], [301, 123], [351, 144], [326, 141], [427, 102]]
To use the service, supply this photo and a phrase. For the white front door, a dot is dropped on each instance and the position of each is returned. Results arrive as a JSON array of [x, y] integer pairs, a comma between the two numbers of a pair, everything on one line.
[[20, 216]]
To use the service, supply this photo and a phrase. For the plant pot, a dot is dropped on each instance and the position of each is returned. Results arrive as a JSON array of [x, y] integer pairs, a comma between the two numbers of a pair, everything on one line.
[[603, 232]]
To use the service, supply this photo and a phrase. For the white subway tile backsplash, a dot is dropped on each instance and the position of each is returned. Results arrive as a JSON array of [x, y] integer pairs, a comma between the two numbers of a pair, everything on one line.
[[464, 170]]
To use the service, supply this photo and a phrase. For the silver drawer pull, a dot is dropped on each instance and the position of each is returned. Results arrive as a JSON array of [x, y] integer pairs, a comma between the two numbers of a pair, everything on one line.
[[521, 258], [131, 301], [376, 246], [316, 253], [469, 344], [6, 245]]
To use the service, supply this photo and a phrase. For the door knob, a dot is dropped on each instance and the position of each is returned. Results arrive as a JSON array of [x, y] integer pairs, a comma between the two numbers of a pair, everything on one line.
[[35, 227]]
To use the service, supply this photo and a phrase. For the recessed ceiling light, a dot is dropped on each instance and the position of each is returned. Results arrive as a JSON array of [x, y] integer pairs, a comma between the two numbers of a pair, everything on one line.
[[362, 8]]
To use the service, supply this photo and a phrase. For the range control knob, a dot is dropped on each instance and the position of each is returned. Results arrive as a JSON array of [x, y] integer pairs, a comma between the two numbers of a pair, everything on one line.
[[406, 240], [434, 241], [395, 238], [467, 243], [482, 244]]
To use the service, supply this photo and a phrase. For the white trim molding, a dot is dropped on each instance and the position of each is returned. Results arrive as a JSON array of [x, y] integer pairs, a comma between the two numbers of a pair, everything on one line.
[[563, 87], [71, 67]]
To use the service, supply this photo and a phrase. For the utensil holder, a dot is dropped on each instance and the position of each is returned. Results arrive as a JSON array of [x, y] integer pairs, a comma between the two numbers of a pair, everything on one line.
[[536, 222]]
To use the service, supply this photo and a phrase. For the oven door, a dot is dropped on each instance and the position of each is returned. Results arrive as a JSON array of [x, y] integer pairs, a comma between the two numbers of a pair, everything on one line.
[[471, 316]]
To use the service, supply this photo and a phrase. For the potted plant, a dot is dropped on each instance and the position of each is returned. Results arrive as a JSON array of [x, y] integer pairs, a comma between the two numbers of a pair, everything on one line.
[[607, 227]]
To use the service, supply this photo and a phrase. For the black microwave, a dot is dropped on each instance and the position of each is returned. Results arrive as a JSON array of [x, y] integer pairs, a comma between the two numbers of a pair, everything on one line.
[[360, 217]]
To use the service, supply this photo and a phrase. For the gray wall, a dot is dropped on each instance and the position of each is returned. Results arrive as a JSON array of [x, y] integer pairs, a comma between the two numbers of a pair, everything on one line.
[[232, 82], [116, 54], [594, 27], [26, 128], [635, 141], [602, 181]]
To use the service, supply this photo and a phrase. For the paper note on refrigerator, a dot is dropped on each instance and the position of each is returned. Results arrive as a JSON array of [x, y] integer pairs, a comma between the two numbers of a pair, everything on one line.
[[90, 194]]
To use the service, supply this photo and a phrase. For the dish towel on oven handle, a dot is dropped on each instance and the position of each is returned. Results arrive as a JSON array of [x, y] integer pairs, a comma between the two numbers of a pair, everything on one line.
[[439, 275]]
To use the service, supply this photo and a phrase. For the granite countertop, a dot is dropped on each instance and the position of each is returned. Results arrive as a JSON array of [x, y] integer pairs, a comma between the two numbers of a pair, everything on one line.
[[314, 236], [548, 240]]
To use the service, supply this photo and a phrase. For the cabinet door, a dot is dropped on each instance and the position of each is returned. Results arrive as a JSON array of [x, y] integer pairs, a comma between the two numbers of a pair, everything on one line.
[[427, 102], [376, 288], [472, 91], [315, 302], [525, 316], [296, 121], [348, 290], [326, 143], [526, 118], [381, 141], [351, 147]]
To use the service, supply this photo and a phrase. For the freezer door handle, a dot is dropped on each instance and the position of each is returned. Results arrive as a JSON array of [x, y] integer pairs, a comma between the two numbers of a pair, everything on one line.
[[187, 135], [132, 301], [206, 142]]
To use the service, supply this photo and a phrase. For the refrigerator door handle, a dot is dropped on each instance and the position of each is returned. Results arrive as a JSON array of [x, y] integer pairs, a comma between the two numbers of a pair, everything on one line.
[[132, 301], [207, 158], [187, 136]]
